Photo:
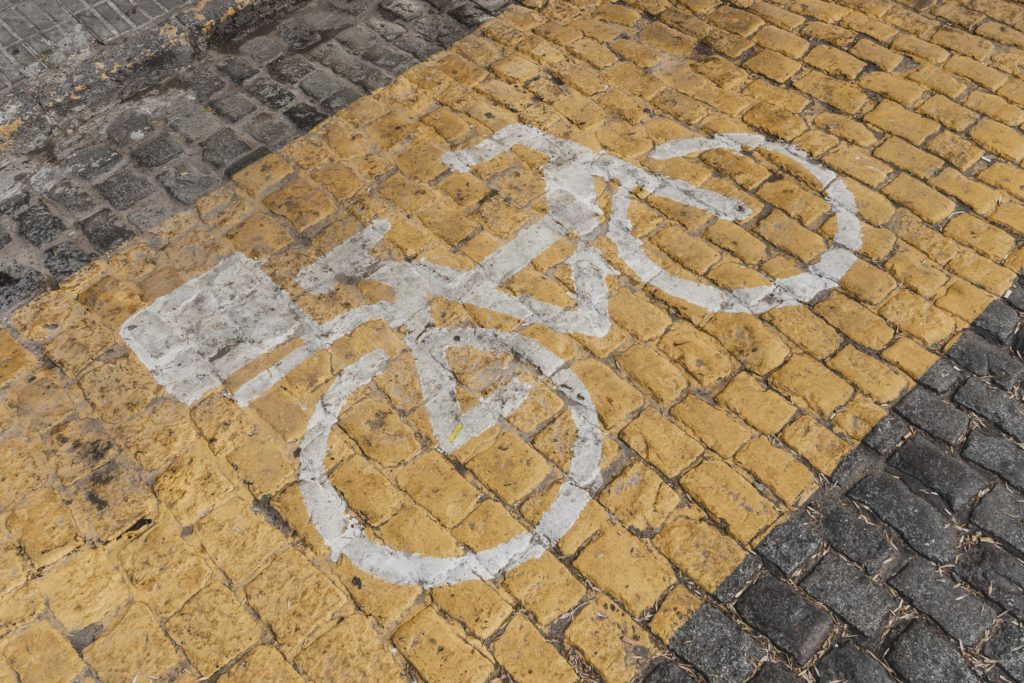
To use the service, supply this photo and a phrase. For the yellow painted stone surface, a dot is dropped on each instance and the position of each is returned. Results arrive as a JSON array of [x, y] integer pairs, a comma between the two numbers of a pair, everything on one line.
[[183, 540]]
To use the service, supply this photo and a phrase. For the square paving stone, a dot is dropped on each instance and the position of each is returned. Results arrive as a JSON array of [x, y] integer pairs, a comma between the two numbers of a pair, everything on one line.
[[269, 128], [999, 320], [290, 68], [129, 127], [268, 92], [734, 655], [18, 284], [71, 197], [65, 259], [38, 225], [186, 184], [124, 189], [959, 612], [921, 655], [305, 116], [104, 230], [851, 594], [94, 162], [13, 201], [789, 620], [195, 123], [156, 152], [223, 147], [238, 69], [233, 107]]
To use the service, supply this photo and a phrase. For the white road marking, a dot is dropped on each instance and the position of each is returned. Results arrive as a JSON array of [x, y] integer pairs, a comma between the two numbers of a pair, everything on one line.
[[194, 338]]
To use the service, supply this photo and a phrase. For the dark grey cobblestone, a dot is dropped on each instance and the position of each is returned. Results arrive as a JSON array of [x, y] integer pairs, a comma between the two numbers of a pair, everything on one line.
[[134, 156], [790, 620], [922, 654], [909, 565], [732, 657]]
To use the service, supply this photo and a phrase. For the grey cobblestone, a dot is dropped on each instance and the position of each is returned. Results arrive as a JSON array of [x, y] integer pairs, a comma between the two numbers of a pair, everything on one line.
[[789, 620], [922, 654], [917, 545], [848, 592], [734, 655], [959, 612], [136, 156]]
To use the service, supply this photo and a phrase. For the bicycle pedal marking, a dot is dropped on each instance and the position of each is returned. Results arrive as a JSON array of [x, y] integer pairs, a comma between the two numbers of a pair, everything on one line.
[[194, 338]]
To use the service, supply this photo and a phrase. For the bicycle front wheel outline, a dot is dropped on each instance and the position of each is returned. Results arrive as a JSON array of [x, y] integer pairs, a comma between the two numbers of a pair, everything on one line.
[[345, 535], [819, 277]]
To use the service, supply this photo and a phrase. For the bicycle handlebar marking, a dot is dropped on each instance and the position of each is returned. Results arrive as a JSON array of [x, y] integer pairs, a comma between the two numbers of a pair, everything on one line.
[[197, 336]]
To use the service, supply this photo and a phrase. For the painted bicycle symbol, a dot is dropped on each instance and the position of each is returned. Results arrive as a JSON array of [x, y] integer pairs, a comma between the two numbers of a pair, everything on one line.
[[234, 314]]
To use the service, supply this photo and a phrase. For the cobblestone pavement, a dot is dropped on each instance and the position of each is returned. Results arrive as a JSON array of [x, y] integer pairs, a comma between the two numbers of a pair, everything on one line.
[[433, 388], [34, 33], [115, 160]]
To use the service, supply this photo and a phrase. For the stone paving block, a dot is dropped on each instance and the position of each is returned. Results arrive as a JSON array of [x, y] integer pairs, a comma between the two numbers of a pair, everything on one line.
[[1005, 411], [962, 614], [995, 573], [791, 544], [863, 542], [849, 663], [980, 357], [921, 654], [989, 449], [957, 482], [932, 414], [851, 594], [789, 620], [1000, 512], [735, 656], [1007, 647], [38, 225], [919, 523], [770, 673]]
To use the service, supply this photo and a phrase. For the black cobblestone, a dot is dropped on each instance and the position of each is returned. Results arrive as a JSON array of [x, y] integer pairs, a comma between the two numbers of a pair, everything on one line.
[[849, 663], [791, 544], [38, 225], [952, 478], [942, 376], [65, 259], [771, 673], [888, 434], [861, 541], [669, 672], [124, 189], [18, 283], [1001, 512], [922, 525], [1004, 410], [1007, 646], [984, 358], [928, 411], [740, 578], [995, 573], [104, 230], [994, 452], [734, 655], [999, 320], [922, 654], [789, 620], [959, 612], [847, 591]]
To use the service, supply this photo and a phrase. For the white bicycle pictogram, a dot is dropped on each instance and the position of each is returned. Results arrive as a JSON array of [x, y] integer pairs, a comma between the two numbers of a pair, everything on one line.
[[234, 314]]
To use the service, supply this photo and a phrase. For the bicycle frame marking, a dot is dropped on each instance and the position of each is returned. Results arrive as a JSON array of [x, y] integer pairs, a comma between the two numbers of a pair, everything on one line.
[[195, 337]]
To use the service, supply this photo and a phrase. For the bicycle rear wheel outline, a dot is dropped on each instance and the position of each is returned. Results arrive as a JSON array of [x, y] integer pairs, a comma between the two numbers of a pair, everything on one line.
[[345, 535]]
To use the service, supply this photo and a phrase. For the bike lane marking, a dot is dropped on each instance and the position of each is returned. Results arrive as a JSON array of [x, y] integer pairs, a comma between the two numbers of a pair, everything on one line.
[[753, 402]]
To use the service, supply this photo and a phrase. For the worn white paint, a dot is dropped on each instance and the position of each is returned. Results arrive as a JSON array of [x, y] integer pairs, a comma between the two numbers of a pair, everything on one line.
[[195, 337]]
